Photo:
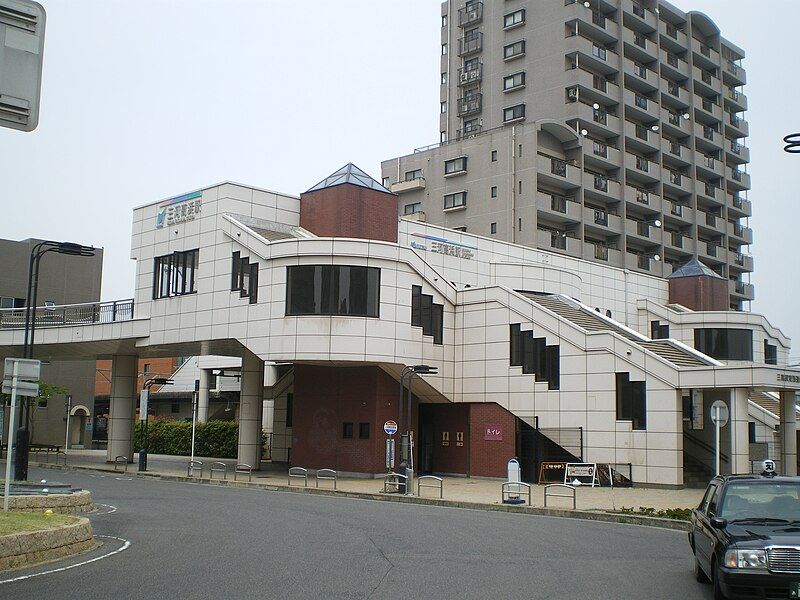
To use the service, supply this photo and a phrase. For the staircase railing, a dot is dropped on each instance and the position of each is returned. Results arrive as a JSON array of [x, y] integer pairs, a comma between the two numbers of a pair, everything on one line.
[[704, 446]]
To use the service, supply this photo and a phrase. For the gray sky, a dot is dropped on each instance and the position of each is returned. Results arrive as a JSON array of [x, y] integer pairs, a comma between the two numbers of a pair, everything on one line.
[[145, 100]]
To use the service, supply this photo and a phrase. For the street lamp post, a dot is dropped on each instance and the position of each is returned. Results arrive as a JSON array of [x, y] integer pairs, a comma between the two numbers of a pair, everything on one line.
[[409, 372], [143, 409], [37, 252]]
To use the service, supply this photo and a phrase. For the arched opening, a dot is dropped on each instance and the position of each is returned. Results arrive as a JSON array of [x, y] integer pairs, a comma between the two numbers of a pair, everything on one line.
[[79, 432]]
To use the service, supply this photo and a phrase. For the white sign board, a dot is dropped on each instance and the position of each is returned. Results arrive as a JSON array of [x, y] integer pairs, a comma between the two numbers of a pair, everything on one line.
[[27, 372], [390, 453], [144, 397], [390, 427], [584, 473], [719, 413]]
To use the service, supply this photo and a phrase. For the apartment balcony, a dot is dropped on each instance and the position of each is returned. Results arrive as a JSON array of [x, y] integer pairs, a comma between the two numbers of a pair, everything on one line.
[[410, 185], [558, 242], [712, 253], [640, 107], [470, 15], [601, 154], [741, 262], [672, 37], [637, 17], [706, 111], [644, 232], [736, 126], [639, 199], [674, 67], [593, 54], [707, 137], [470, 106], [638, 47], [558, 173], [675, 154], [709, 194], [643, 263], [640, 78], [601, 187], [602, 253], [733, 74], [601, 221], [470, 75], [709, 222], [590, 22], [737, 180], [741, 290], [679, 243], [710, 168], [598, 122], [740, 233], [557, 208], [680, 214], [675, 123], [641, 137], [673, 95], [736, 152], [677, 183], [705, 82], [704, 55], [470, 44], [642, 169], [592, 87], [736, 99], [738, 207]]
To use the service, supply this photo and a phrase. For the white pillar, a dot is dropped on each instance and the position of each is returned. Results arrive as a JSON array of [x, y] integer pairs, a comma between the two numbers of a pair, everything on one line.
[[122, 407], [738, 429], [202, 396], [251, 399], [788, 432]]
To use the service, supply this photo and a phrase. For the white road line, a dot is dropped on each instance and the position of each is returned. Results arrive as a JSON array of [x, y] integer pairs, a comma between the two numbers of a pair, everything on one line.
[[109, 510], [125, 546]]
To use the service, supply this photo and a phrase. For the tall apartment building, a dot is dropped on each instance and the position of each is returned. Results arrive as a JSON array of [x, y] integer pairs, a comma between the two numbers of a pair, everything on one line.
[[609, 130]]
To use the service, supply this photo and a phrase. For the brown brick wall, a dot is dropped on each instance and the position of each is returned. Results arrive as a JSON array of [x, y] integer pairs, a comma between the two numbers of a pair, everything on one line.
[[700, 293], [159, 367], [435, 420], [352, 211], [489, 458]]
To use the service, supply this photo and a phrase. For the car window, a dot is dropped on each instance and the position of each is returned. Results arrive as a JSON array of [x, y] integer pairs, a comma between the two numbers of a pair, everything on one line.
[[713, 501], [770, 499], [707, 498]]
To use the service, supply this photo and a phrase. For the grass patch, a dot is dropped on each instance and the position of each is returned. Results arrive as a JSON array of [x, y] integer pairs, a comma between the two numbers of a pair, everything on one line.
[[19, 522], [680, 514]]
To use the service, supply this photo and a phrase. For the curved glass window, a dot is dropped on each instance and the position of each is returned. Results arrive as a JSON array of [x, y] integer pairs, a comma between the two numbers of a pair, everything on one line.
[[333, 290]]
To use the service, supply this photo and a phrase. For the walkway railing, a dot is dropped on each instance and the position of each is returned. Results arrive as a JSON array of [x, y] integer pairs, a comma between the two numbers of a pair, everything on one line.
[[70, 314]]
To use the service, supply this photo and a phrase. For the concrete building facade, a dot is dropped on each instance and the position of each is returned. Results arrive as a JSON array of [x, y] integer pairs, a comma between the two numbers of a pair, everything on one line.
[[611, 131]]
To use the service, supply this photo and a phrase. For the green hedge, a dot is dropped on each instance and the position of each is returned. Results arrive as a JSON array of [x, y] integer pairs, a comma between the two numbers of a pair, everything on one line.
[[165, 436]]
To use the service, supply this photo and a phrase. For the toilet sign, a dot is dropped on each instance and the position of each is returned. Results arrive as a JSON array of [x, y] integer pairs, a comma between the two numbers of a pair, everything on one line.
[[390, 427]]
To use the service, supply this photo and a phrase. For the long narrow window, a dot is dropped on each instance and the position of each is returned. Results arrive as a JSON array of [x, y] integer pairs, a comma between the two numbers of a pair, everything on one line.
[[631, 401], [333, 290], [427, 314], [244, 277], [174, 274]]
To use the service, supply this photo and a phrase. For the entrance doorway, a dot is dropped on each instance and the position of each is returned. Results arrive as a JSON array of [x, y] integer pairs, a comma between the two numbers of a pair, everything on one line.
[[78, 434]]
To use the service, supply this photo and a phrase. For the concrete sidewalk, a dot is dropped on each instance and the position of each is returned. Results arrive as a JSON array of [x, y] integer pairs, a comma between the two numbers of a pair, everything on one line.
[[458, 489]]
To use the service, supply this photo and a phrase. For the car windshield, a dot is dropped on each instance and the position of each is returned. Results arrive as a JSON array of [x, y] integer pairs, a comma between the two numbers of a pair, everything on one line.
[[761, 500]]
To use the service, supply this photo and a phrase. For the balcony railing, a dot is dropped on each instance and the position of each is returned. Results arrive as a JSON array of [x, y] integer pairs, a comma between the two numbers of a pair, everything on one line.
[[675, 148], [598, 19], [69, 314], [642, 163], [600, 217], [737, 201], [710, 190], [708, 132], [600, 116], [736, 174], [642, 196], [468, 131], [558, 167], [469, 105], [469, 15], [672, 31], [600, 83], [600, 252], [676, 209], [711, 219], [470, 74], [676, 239], [643, 262], [558, 204], [675, 177], [638, 10], [600, 183], [599, 149], [643, 228], [470, 43]]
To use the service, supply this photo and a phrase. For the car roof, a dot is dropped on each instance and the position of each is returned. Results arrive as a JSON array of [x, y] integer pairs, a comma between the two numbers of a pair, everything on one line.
[[755, 478]]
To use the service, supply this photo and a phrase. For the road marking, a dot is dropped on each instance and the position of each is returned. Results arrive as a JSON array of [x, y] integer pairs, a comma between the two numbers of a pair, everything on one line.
[[125, 546], [124, 478], [108, 510]]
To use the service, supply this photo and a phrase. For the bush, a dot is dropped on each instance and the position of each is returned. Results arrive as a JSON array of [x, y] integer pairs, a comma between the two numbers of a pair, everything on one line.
[[681, 514], [217, 439]]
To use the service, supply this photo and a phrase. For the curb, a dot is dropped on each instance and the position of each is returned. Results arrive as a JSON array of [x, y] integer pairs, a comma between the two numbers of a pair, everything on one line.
[[587, 515], [65, 504], [19, 550]]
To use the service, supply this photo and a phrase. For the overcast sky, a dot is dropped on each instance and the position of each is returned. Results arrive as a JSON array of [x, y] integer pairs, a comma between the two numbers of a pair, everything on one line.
[[145, 100]]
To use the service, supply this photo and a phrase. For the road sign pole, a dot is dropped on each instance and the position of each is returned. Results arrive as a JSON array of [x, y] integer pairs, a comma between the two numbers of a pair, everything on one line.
[[66, 435], [194, 419], [13, 415], [716, 438]]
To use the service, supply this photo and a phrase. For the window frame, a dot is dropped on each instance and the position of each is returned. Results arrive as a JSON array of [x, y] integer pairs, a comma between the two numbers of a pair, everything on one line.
[[515, 23], [175, 274], [514, 115], [515, 86], [510, 47], [462, 195], [329, 295], [455, 166]]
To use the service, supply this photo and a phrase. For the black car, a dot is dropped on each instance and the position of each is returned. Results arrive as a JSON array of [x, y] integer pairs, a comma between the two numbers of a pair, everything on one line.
[[746, 536]]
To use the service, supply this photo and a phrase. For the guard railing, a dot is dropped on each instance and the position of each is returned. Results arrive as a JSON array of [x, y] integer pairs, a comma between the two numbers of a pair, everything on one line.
[[430, 481], [298, 473], [394, 480], [513, 490], [69, 314], [327, 475], [121, 460], [549, 492], [192, 466], [241, 469], [218, 467]]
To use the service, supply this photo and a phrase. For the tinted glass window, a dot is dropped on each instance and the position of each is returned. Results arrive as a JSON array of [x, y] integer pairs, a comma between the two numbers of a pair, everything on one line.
[[774, 500], [333, 290], [725, 344]]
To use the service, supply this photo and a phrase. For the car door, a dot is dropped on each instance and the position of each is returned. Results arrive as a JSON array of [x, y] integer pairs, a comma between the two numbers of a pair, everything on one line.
[[703, 532]]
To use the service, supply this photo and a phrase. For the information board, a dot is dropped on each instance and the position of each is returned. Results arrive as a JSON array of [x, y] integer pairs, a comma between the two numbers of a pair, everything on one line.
[[584, 473], [552, 472]]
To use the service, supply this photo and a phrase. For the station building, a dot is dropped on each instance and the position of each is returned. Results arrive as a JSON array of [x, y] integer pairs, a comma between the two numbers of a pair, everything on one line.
[[322, 300]]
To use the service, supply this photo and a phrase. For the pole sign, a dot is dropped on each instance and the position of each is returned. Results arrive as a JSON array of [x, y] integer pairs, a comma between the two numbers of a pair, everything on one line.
[[583, 473], [144, 397], [719, 413], [390, 427], [27, 376], [389, 453]]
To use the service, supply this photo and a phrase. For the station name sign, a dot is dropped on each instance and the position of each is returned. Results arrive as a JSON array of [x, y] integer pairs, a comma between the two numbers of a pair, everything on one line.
[[444, 246], [788, 378], [178, 210]]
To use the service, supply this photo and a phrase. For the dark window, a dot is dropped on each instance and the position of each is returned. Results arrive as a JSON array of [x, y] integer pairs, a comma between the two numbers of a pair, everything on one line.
[[456, 165], [493, 191], [244, 277], [751, 432], [333, 290], [725, 344], [175, 408], [552, 370], [437, 323], [455, 200], [146, 368], [516, 80], [514, 50], [493, 228], [174, 274], [236, 264], [411, 209], [363, 431], [515, 350], [494, 155], [631, 401], [770, 353], [347, 431], [659, 331], [289, 409], [514, 112], [427, 314], [416, 305]]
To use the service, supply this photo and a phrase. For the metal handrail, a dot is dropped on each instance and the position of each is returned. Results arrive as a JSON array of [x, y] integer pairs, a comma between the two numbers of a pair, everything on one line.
[[298, 473], [121, 460], [548, 493], [218, 467], [326, 475], [439, 483], [87, 313], [387, 481], [707, 447], [509, 493], [243, 468], [192, 466]]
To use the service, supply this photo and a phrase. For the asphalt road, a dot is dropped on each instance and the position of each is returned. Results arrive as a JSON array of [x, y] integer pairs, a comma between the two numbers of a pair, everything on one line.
[[207, 542]]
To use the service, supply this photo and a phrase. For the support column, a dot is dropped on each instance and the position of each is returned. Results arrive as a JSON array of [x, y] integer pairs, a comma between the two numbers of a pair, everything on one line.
[[251, 402], [202, 396], [788, 432], [740, 440], [122, 407]]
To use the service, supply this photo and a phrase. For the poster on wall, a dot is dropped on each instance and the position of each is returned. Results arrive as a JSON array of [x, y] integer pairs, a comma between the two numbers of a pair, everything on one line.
[[493, 432]]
